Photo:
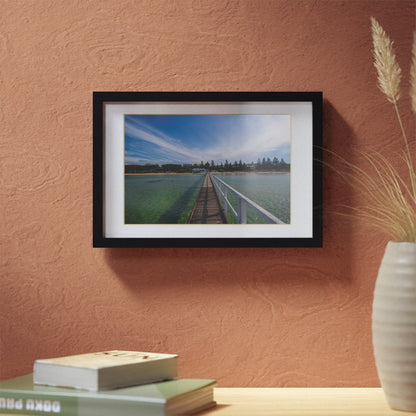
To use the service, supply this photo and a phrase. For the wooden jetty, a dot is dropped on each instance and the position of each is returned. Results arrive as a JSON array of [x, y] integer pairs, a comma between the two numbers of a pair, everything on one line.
[[207, 208]]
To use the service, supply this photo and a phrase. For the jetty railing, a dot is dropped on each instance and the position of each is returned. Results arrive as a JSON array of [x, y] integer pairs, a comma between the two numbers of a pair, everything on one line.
[[243, 202]]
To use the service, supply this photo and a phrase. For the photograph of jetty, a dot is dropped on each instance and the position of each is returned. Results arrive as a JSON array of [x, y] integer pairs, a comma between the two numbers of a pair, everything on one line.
[[207, 169]]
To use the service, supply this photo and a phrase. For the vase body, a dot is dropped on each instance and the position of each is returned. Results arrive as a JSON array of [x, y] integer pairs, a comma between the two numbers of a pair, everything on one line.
[[394, 325]]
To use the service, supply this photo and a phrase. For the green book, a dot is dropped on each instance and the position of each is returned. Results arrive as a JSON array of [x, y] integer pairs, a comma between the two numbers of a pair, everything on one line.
[[167, 398]]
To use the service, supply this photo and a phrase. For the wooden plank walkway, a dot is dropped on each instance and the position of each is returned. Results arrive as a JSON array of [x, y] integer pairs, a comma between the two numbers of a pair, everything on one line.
[[207, 208]]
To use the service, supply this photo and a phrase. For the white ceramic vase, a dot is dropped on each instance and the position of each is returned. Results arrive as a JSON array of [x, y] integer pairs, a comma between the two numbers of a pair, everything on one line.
[[394, 325]]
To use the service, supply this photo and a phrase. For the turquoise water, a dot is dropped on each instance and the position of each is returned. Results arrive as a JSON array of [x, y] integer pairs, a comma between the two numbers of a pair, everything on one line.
[[270, 191], [160, 199], [169, 199]]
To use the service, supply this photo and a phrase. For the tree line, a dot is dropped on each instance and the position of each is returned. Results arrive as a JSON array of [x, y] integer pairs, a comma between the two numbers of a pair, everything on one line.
[[262, 165]]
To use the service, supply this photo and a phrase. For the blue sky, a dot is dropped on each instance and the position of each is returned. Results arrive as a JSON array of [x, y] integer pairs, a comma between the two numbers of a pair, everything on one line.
[[187, 139]]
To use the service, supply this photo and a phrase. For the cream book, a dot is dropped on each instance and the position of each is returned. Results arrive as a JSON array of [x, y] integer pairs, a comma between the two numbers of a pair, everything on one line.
[[105, 370]]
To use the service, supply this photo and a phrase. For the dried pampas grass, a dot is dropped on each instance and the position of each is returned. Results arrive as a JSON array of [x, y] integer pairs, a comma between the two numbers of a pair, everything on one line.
[[391, 197], [389, 72], [413, 75]]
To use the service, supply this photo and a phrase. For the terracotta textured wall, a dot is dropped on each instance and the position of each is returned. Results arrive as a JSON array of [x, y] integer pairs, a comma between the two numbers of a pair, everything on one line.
[[247, 317]]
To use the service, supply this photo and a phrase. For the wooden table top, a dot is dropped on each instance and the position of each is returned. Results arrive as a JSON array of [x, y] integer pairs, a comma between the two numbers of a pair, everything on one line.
[[301, 402]]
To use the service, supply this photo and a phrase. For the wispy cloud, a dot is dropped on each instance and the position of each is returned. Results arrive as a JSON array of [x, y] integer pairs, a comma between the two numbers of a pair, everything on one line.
[[156, 143], [215, 138]]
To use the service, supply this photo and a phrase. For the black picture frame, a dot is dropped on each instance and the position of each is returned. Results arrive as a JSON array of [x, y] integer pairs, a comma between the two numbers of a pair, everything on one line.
[[305, 110]]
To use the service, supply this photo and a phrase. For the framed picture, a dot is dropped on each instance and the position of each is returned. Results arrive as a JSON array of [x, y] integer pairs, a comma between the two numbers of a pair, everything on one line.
[[207, 169]]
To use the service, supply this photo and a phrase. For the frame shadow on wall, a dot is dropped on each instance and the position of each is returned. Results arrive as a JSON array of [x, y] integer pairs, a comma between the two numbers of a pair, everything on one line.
[[335, 255]]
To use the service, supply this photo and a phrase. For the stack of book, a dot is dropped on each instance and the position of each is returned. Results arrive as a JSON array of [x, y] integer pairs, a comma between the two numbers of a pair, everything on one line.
[[108, 383]]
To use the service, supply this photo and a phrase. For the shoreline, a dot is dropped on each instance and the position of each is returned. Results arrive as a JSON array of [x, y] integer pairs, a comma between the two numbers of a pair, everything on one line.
[[219, 173]]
